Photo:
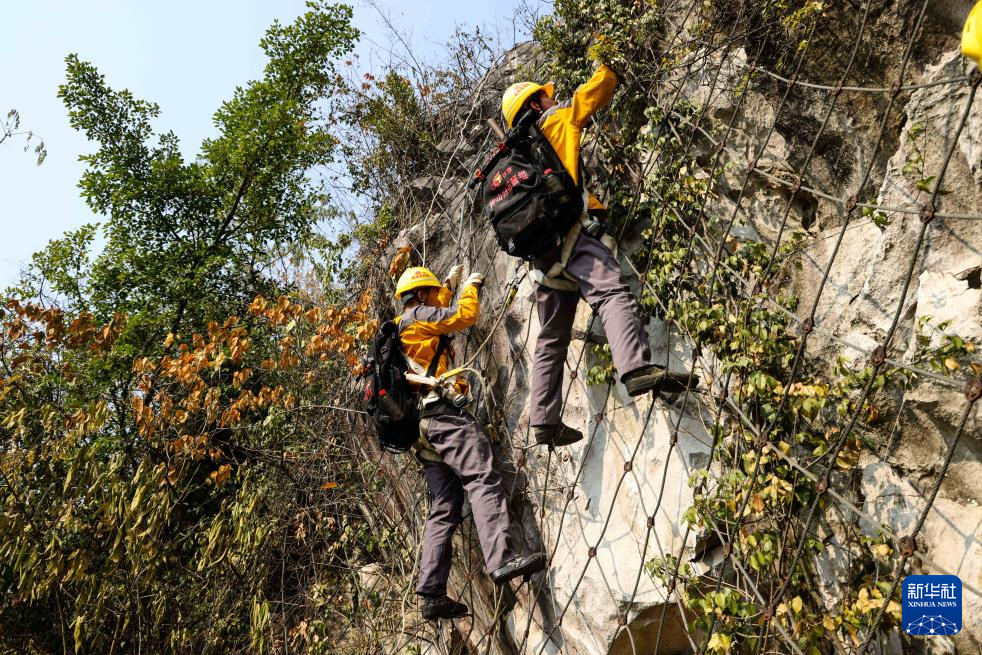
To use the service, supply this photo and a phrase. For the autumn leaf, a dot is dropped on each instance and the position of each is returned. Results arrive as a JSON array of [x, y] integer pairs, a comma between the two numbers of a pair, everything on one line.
[[257, 306], [329, 485], [221, 475], [872, 413], [758, 503], [865, 605], [719, 643], [399, 262], [239, 377], [364, 302], [367, 330], [313, 315], [301, 531], [170, 478], [848, 457]]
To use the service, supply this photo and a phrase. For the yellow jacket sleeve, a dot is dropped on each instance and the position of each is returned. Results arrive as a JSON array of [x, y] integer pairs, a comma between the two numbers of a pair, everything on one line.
[[563, 124], [434, 321], [592, 95], [444, 296]]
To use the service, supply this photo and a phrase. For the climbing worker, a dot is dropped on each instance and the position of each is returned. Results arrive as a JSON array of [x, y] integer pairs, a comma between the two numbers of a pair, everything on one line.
[[584, 264], [453, 449]]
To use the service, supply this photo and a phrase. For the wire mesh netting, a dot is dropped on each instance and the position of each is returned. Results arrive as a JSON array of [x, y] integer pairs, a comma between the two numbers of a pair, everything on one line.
[[796, 210]]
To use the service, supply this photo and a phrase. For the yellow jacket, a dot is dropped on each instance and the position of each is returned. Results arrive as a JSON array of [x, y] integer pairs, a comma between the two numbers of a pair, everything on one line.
[[563, 124], [420, 327]]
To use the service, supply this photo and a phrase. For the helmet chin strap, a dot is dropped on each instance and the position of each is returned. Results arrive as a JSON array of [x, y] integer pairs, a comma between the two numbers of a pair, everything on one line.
[[411, 296]]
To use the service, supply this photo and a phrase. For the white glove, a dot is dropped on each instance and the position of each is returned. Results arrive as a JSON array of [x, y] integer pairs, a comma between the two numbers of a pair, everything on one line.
[[474, 280], [453, 277]]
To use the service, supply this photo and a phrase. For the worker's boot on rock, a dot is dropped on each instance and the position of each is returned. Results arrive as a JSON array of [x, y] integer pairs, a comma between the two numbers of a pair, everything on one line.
[[657, 379], [519, 566], [556, 435], [441, 607]]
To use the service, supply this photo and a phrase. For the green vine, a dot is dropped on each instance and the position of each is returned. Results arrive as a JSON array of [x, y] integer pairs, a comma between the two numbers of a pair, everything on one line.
[[741, 310]]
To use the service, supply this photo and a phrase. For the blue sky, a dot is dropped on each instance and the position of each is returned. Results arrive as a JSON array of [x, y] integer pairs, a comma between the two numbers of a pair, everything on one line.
[[185, 55]]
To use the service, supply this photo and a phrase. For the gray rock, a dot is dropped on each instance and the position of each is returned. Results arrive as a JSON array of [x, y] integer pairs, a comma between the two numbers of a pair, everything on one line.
[[584, 497]]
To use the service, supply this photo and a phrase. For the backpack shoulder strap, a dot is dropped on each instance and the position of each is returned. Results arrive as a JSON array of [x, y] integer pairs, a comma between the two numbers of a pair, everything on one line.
[[385, 331], [440, 349], [536, 135]]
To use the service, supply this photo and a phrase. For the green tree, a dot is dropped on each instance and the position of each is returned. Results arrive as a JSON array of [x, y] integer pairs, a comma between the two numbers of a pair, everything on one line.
[[188, 241], [113, 530]]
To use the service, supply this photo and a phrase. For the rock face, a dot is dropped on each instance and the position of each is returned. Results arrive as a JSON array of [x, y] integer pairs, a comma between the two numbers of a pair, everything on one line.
[[605, 507], [587, 505]]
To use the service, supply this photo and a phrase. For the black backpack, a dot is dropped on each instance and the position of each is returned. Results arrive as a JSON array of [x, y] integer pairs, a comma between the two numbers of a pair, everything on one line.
[[527, 194], [389, 398]]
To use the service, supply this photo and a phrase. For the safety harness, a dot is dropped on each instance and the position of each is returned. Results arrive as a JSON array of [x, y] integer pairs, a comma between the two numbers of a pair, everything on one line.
[[556, 277], [436, 389]]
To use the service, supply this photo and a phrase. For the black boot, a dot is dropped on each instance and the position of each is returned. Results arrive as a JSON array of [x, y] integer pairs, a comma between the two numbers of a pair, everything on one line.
[[441, 607], [556, 435], [657, 379], [519, 566]]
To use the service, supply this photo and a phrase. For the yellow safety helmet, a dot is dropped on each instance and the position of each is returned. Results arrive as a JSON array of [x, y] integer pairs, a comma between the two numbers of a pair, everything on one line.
[[972, 34], [415, 278], [516, 95]]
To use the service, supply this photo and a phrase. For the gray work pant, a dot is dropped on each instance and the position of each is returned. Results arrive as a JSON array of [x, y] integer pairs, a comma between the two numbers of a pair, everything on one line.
[[598, 274], [466, 466]]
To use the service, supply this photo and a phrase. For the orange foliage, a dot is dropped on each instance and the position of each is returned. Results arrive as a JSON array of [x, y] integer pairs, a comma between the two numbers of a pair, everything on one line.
[[206, 382], [399, 262]]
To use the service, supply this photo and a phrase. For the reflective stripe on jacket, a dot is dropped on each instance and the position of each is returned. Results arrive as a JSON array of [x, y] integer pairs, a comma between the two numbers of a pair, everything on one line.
[[420, 327], [563, 124]]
